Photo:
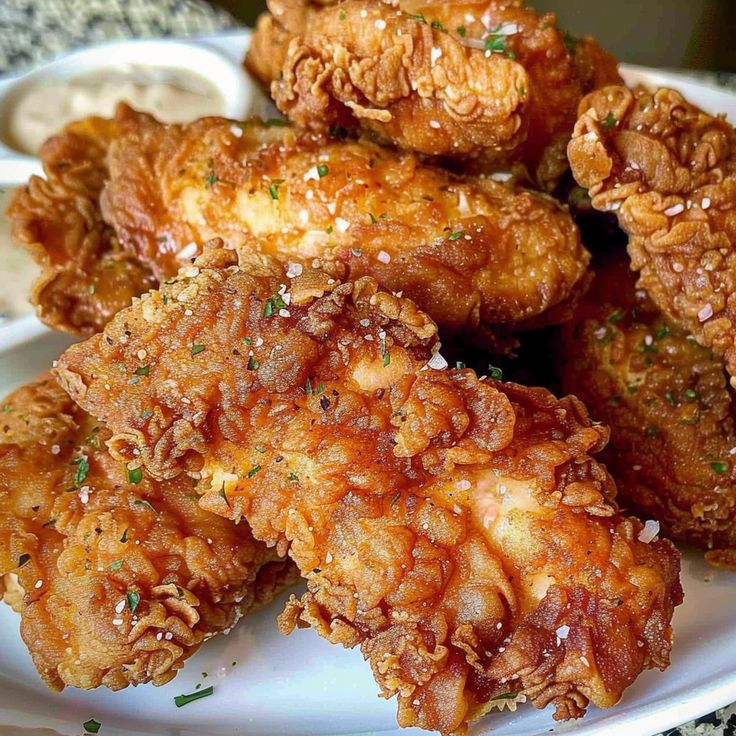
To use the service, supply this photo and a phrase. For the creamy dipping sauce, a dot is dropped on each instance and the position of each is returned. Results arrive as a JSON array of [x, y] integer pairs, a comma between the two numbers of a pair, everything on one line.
[[172, 95], [17, 269]]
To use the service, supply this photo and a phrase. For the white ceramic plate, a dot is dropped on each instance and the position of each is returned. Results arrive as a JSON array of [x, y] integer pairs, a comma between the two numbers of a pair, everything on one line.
[[303, 685]]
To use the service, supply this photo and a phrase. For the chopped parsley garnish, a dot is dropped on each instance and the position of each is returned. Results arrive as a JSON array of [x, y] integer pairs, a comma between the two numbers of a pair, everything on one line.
[[341, 15], [384, 350], [614, 400], [91, 289], [495, 373], [24, 559], [438, 26], [610, 121], [459, 365], [253, 364], [661, 333], [461, 31], [82, 470], [329, 229], [293, 477], [504, 696], [116, 565], [197, 349], [420, 17], [182, 700], [690, 393], [135, 475], [570, 41], [163, 239], [669, 397], [323, 170], [91, 726], [7, 408], [719, 467], [456, 235], [651, 432], [496, 44], [124, 538], [276, 123], [274, 188], [143, 502], [143, 370], [211, 178], [133, 599], [616, 316], [273, 304], [255, 469]]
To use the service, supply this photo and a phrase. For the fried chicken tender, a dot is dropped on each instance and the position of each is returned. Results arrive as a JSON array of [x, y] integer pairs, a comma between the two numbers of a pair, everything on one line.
[[667, 402], [122, 578], [669, 171], [86, 275], [469, 251], [488, 83], [457, 529]]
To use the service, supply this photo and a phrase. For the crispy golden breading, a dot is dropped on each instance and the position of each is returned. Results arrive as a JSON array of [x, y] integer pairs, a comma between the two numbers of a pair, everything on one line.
[[667, 402], [123, 580], [468, 250], [489, 83], [86, 276], [458, 530], [669, 171]]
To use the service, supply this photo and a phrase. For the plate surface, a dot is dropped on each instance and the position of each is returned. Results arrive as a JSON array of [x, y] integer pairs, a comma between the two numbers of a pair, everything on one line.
[[302, 685]]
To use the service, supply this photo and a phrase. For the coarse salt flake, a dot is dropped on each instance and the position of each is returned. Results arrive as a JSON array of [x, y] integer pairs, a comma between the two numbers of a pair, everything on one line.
[[463, 485], [380, 24], [649, 532], [39, 584], [705, 203], [341, 225], [284, 313], [188, 251], [55, 449], [563, 631], [705, 313], [383, 256], [120, 606], [236, 130], [435, 124], [294, 270], [437, 362], [435, 54], [676, 209]]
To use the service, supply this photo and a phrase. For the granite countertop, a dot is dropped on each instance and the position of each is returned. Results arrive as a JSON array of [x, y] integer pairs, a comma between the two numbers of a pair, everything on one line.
[[32, 32]]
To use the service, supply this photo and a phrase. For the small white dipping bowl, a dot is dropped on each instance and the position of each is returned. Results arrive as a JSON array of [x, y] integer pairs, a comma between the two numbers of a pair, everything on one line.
[[227, 76]]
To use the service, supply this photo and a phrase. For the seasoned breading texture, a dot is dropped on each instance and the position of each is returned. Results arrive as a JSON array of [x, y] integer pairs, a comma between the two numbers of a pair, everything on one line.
[[122, 577], [458, 530], [489, 83], [669, 171], [469, 251], [667, 402], [86, 276]]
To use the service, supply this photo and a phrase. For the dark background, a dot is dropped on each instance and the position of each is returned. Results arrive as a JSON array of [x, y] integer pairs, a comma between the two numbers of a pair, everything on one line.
[[699, 34]]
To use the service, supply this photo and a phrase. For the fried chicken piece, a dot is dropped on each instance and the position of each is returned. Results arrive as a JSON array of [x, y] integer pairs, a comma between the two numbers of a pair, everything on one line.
[[86, 275], [122, 578], [457, 529], [468, 250], [487, 83], [667, 402], [669, 171]]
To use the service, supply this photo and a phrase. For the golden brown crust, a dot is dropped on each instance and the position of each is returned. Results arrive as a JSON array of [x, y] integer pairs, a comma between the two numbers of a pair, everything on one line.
[[123, 581], [667, 402], [86, 276], [486, 82], [667, 169], [458, 530], [468, 250]]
